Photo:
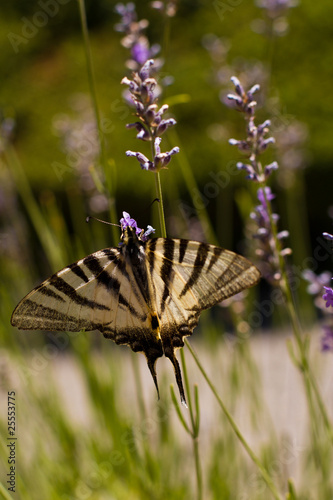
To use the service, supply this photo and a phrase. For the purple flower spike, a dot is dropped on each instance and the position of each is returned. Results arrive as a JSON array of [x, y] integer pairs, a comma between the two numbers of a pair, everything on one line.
[[269, 196], [328, 296], [140, 53], [327, 339]]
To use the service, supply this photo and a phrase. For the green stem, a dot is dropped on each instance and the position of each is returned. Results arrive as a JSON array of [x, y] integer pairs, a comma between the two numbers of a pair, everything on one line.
[[308, 377], [192, 187], [93, 93], [197, 466], [91, 76], [5, 493], [194, 424], [235, 428], [160, 204]]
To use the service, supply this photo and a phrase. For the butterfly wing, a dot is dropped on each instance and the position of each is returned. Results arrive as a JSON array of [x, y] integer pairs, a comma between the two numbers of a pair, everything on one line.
[[194, 276], [98, 292], [189, 277]]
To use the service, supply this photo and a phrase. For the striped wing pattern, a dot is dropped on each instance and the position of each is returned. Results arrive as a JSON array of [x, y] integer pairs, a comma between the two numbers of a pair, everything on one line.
[[145, 295], [95, 293], [189, 277]]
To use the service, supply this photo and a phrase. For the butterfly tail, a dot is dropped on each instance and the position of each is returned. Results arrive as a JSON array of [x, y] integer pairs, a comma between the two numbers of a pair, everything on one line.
[[151, 365], [178, 374]]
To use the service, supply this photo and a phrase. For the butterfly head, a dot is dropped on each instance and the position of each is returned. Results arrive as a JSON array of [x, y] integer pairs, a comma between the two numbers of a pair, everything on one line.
[[129, 235]]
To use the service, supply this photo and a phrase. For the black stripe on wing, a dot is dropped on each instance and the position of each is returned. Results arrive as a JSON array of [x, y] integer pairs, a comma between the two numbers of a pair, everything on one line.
[[199, 263], [217, 251], [37, 316], [79, 272], [166, 269], [182, 250], [111, 283], [63, 287]]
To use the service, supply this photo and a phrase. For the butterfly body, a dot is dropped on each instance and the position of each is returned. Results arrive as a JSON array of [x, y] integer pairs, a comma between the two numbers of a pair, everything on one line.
[[144, 294]]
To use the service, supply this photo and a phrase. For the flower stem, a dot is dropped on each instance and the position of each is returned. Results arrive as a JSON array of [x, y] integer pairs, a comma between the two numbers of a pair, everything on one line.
[[265, 475], [304, 366], [93, 93], [160, 204]]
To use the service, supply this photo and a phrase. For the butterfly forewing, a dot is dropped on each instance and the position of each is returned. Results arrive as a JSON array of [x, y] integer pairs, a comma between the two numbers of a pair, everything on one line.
[[97, 292]]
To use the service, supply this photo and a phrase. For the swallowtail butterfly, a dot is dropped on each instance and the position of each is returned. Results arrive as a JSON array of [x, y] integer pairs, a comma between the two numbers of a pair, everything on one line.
[[146, 293]]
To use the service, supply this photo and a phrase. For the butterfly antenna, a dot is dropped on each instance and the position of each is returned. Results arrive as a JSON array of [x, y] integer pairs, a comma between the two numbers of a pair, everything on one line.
[[100, 220], [179, 379], [152, 203]]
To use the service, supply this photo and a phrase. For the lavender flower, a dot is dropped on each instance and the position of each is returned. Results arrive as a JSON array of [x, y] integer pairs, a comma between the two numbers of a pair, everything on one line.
[[127, 221], [267, 249], [275, 22], [161, 160], [142, 89], [135, 39], [270, 241], [151, 124], [328, 296], [327, 338], [169, 8], [7, 125], [316, 283], [256, 142]]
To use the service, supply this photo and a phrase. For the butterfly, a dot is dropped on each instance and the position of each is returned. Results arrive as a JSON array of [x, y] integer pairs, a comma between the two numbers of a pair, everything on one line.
[[146, 293]]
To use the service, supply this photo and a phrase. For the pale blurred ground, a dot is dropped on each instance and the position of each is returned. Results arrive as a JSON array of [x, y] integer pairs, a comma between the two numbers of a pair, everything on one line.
[[283, 405]]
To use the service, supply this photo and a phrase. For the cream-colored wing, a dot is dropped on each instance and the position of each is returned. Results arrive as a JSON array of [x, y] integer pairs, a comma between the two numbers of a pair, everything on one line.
[[196, 275], [189, 277], [98, 292]]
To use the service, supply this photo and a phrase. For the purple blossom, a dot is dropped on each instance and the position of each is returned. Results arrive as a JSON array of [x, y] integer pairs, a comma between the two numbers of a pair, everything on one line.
[[7, 125], [265, 195], [256, 141], [327, 338], [140, 52], [135, 40], [316, 282], [161, 160], [127, 221], [145, 163], [275, 22], [328, 296]]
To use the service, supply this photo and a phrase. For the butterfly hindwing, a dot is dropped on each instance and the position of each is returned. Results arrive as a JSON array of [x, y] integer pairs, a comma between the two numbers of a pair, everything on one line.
[[189, 277]]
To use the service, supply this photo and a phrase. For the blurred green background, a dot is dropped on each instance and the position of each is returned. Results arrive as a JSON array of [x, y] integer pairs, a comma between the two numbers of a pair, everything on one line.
[[40, 80], [44, 202]]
